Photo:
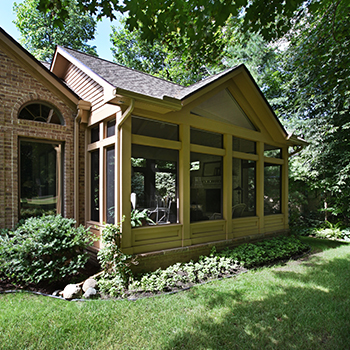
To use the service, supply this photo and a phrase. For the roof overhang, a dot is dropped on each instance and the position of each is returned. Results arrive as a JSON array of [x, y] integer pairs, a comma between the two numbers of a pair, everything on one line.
[[162, 106], [60, 64], [296, 140]]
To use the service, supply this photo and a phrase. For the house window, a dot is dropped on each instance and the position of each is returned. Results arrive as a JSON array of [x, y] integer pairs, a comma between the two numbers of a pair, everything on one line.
[[272, 188], [243, 188], [110, 128], [40, 178], [41, 112], [95, 185], [110, 181], [154, 178], [95, 134], [206, 187]]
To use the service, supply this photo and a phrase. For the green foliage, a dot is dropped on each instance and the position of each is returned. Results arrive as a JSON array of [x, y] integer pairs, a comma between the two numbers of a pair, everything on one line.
[[40, 33], [138, 218], [46, 248], [115, 264], [266, 251], [183, 275], [326, 231], [191, 28], [130, 50], [316, 74]]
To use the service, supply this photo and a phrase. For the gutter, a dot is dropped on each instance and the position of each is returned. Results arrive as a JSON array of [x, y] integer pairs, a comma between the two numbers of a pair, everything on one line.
[[81, 118], [167, 102]]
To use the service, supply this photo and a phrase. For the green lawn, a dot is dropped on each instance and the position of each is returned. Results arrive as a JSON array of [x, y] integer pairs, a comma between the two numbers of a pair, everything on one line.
[[300, 305]]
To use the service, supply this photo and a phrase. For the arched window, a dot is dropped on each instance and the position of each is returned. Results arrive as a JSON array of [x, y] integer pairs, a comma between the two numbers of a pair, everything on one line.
[[41, 112]]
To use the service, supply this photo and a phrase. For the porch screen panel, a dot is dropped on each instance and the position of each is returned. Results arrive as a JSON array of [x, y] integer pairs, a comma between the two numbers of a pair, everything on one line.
[[95, 187], [243, 188], [272, 151], [272, 188], [38, 179], [154, 128], [154, 181], [110, 180], [206, 187]]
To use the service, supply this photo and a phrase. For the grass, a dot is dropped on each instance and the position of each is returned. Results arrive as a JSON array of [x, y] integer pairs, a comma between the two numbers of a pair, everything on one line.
[[298, 305]]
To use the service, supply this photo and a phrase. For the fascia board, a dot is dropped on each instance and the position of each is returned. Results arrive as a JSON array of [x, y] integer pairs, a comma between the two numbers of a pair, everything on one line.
[[108, 88], [167, 102], [296, 140]]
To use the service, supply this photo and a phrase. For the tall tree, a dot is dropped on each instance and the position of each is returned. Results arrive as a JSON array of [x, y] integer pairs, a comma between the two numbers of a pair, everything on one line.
[[39, 34], [317, 81], [260, 57], [130, 50]]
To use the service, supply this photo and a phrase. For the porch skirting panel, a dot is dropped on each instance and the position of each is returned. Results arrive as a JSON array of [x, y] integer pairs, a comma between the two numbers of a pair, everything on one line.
[[164, 258]]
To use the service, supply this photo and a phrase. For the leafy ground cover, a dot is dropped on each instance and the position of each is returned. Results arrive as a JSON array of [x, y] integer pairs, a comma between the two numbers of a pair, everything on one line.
[[299, 304], [118, 282]]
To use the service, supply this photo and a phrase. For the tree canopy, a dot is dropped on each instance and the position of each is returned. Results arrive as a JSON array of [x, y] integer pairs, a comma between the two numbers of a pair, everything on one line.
[[129, 49], [40, 35], [196, 26]]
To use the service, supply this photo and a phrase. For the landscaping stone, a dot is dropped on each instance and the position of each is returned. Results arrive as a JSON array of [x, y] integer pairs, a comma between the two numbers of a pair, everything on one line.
[[90, 293], [89, 283], [57, 293], [72, 291]]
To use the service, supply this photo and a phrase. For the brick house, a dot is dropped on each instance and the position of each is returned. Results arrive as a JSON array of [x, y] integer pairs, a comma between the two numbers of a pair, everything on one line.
[[95, 140]]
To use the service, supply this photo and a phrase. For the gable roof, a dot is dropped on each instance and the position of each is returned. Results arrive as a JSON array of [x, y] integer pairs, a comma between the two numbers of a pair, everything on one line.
[[127, 80], [27, 59], [139, 82]]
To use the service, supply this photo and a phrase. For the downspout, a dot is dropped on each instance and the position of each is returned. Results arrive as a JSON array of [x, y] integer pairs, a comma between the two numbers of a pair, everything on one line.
[[81, 118], [127, 113]]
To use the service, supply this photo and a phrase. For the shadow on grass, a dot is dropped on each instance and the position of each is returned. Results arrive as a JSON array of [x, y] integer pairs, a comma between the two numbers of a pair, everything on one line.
[[318, 244], [298, 310]]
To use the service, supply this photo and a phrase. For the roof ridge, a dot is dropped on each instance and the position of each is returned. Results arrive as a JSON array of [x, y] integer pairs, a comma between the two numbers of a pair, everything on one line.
[[122, 66]]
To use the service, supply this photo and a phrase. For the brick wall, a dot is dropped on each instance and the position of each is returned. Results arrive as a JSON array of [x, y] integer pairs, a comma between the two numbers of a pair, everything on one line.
[[18, 87]]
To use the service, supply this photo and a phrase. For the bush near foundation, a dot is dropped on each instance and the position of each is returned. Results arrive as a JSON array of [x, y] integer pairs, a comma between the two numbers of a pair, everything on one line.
[[46, 248], [265, 252]]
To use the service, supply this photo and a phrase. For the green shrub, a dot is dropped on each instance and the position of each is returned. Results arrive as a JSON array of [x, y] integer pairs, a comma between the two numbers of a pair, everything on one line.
[[46, 248], [327, 231], [115, 264], [332, 231]]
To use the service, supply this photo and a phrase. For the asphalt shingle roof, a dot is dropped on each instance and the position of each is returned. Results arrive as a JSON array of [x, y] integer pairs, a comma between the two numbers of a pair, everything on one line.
[[139, 82]]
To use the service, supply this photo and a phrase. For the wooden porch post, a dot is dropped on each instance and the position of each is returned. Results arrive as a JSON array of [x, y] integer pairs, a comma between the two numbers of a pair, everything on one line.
[[260, 186], [184, 184], [227, 185], [125, 185]]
